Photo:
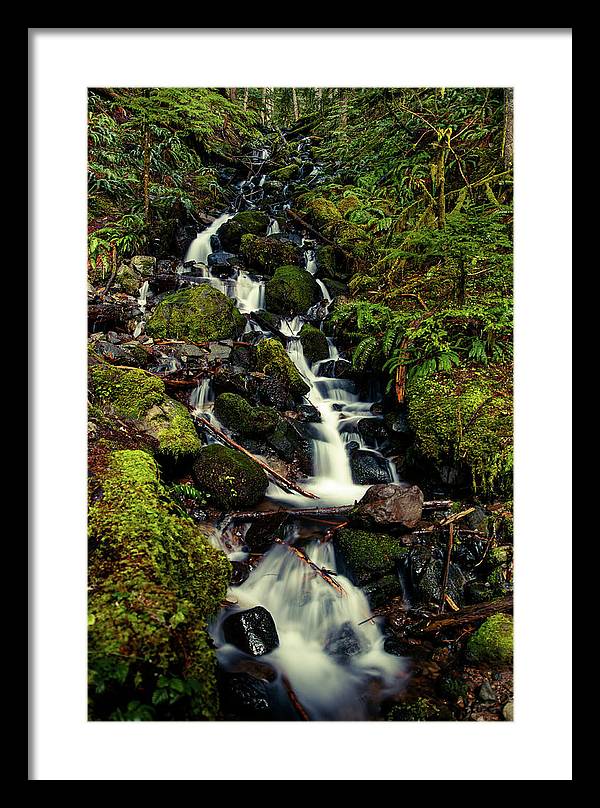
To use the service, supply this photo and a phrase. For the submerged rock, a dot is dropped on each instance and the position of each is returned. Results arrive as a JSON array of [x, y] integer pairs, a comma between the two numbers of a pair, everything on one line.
[[199, 314], [231, 478], [252, 631], [391, 504], [342, 642]]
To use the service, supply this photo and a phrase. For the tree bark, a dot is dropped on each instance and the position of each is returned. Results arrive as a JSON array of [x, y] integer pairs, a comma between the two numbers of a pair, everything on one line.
[[507, 141], [295, 104], [470, 614], [246, 98], [441, 185], [146, 173]]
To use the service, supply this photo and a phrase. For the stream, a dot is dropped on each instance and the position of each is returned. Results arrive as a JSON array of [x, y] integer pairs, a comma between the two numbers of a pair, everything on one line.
[[330, 652]]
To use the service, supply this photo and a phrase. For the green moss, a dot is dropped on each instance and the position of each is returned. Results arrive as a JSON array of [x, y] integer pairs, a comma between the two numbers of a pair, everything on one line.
[[154, 579], [248, 221], [272, 359], [291, 291], [230, 477], [328, 220], [128, 280], [264, 254], [348, 203], [493, 641], [200, 314], [237, 414], [421, 709], [171, 425], [465, 416], [129, 392], [326, 261], [452, 687], [285, 174], [367, 555], [321, 212], [314, 343]]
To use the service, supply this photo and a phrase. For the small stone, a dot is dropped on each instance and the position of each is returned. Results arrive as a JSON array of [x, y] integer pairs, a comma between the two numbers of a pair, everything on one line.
[[486, 692], [507, 711]]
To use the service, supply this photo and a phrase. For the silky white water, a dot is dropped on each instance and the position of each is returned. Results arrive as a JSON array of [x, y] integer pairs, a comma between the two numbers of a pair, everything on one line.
[[309, 613], [200, 248]]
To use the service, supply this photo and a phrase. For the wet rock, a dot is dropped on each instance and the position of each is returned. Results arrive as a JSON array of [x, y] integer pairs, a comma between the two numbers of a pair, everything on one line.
[[243, 697], [191, 351], [144, 264], [121, 355], [235, 413], [243, 356], [256, 668], [369, 468], [367, 556], [398, 428], [291, 291], [252, 631], [391, 504], [342, 643], [199, 314], [219, 351], [274, 362], [308, 413], [381, 591], [128, 280], [249, 221], [223, 263], [227, 379], [314, 343], [163, 282], [289, 442], [240, 570], [265, 253], [486, 692], [336, 369], [372, 431], [183, 236], [232, 479], [425, 572], [260, 535]]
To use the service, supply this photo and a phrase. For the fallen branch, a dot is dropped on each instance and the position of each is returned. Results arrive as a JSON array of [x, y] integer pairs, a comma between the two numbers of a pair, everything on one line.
[[337, 510], [294, 699], [454, 517], [301, 554], [470, 614], [279, 479]]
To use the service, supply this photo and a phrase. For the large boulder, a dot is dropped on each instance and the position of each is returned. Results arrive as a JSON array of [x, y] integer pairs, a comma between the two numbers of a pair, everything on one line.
[[199, 314], [291, 291], [252, 631], [285, 174], [264, 253], [394, 504], [235, 413], [231, 478], [274, 362], [367, 556], [314, 343], [248, 221]]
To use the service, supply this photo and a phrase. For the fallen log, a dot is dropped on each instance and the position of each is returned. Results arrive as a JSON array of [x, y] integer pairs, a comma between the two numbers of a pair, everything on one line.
[[279, 479], [337, 510], [468, 615], [302, 555]]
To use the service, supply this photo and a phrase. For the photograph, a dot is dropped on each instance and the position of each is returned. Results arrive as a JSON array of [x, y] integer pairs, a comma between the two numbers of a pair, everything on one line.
[[300, 404]]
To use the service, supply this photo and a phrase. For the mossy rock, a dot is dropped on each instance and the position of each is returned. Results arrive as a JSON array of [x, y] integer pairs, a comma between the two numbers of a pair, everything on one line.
[[465, 416], [264, 254], [272, 359], [200, 314], [493, 641], [326, 260], [284, 174], [379, 592], [367, 556], [348, 203], [232, 479], [291, 291], [314, 343], [144, 264], [133, 395], [327, 218], [248, 221], [128, 280], [170, 423], [241, 417], [154, 580], [321, 212]]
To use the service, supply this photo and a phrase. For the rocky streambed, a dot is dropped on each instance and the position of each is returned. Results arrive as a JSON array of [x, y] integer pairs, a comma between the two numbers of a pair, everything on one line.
[[331, 574]]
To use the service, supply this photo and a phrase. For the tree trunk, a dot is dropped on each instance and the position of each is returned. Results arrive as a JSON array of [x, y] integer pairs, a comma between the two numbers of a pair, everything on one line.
[[146, 173], [441, 185], [507, 142], [246, 98], [343, 109], [295, 103], [233, 93], [263, 106]]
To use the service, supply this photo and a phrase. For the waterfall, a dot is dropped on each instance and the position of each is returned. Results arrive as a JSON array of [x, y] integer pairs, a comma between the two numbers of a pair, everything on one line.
[[200, 248], [273, 227], [324, 290], [201, 398]]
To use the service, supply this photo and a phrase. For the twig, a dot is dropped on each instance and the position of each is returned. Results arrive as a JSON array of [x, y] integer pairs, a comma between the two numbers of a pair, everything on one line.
[[294, 699], [302, 555]]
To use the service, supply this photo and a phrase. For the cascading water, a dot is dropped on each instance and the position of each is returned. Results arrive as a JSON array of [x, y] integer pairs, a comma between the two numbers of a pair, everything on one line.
[[201, 248], [142, 302], [273, 227], [313, 619]]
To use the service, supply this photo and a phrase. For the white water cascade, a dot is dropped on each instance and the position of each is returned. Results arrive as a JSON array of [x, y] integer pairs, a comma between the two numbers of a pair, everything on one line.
[[200, 248], [273, 227], [309, 614]]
